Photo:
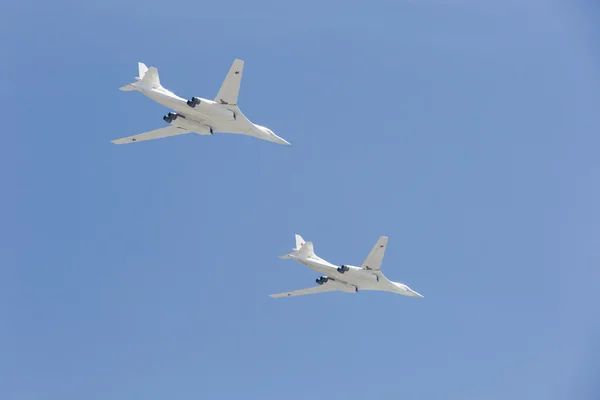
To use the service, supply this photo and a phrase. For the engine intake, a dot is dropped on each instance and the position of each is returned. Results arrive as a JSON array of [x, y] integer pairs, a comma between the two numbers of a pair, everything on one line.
[[170, 117], [343, 269], [193, 102], [322, 279]]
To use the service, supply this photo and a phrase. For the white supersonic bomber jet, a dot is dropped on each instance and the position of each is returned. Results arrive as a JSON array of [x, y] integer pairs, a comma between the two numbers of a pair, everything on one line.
[[198, 115], [345, 278]]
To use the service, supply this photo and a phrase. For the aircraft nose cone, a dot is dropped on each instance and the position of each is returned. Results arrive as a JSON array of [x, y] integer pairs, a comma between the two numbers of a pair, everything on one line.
[[281, 141], [415, 294]]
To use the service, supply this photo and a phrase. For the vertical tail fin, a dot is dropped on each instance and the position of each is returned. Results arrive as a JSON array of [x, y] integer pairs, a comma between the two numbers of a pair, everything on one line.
[[299, 249], [151, 77], [142, 70], [304, 248], [146, 75], [299, 242], [307, 250]]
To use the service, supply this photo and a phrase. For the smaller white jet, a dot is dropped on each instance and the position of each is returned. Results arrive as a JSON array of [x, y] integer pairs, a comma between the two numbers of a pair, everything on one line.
[[197, 115], [345, 278]]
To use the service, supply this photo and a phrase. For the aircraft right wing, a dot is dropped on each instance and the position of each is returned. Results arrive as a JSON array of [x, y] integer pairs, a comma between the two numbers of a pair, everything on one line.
[[228, 94], [167, 131], [312, 290], [373, 261]]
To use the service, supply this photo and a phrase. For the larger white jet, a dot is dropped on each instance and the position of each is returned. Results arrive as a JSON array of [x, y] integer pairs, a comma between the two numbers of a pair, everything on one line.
[[345, 278], [197, 115]]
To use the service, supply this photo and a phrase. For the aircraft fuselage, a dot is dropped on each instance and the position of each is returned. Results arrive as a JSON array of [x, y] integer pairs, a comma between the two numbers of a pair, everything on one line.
[[355, 277], [205, 116]]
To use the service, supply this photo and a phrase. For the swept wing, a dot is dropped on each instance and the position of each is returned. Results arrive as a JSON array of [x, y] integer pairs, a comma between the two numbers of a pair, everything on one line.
[[312, 290], [155, 134], [373, 261]]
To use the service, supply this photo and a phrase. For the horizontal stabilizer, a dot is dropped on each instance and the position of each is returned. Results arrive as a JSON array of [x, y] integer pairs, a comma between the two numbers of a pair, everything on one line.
[[127, 88], [155, 134]]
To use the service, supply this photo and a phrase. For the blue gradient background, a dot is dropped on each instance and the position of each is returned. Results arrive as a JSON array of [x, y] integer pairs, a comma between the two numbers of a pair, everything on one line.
[[466, 131]]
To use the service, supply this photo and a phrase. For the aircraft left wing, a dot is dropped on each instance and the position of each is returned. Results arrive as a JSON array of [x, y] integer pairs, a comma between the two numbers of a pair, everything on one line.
[[167, 131], [312, 290], [373, 261]]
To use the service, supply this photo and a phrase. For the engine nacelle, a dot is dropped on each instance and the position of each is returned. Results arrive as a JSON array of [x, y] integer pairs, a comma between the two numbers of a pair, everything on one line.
[[343, 286], [343, 269], [193, 102], [170, 117], [189, 124], [211, 108]]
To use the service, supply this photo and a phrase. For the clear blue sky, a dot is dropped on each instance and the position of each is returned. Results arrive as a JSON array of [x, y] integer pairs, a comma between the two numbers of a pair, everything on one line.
[[466, 131]]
